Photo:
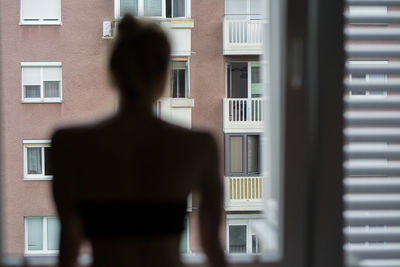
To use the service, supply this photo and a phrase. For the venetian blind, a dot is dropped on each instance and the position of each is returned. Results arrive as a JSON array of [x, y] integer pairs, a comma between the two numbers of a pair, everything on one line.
[[372, 133]]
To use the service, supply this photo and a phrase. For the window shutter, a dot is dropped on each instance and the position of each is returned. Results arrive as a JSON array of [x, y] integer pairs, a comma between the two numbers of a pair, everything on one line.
[[52, 74], [41, 10], [372, 135], [31, 75]]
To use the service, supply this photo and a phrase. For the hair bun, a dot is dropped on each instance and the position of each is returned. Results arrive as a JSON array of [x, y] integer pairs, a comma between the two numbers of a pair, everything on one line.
[[127, 25]]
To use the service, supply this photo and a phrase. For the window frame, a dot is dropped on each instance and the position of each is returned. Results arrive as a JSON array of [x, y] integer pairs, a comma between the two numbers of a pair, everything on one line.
[[245, 172], [42, 99], [117, 10], [249, 78], [243, 220], [39, 22], [45, 250], [35, 143], [187, 76]]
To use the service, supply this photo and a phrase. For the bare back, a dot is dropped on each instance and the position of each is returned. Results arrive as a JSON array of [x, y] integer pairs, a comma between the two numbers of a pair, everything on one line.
[[132, 160]]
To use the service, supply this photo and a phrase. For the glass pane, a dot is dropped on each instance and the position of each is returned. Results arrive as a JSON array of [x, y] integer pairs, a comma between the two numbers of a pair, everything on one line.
[[174, 83], [237, 239], [238, 84], [184, 237], [168, 8], [256, 85], [34, 158], [179, 8], [32, 91], [35, 233], [53, 233], [153, 8], [257, 10], [255, 245], [235, 9], [253, 153], [236, 154], [129, 6], [51, 89], [182, 83], [179, 79], [47, 161]]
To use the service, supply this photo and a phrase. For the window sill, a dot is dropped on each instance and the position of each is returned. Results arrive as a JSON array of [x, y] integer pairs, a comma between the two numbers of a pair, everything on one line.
[[24, 101], [41, 178], [41, 23], [182, 102]]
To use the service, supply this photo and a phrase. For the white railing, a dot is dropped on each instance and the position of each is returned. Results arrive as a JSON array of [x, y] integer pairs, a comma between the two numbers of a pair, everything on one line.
[[243, 113], [244, 193], [243, 36]]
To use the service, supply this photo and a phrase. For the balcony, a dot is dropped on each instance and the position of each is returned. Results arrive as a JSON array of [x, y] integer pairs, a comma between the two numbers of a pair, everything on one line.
[[243, 36], [243, 115], [243, 193]]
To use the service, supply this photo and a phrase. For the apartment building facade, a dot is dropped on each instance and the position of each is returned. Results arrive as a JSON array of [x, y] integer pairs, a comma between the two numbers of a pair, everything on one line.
[[54, 56]]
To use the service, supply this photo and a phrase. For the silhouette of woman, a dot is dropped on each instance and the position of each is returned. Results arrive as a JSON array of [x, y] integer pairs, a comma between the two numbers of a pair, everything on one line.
[[123, 182]]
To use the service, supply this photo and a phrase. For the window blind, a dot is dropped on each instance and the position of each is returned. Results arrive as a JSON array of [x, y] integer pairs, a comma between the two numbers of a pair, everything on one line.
[[372, 134]]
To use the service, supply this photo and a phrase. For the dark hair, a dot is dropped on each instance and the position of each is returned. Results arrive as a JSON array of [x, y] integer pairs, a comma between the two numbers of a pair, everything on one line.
[[140, 56]]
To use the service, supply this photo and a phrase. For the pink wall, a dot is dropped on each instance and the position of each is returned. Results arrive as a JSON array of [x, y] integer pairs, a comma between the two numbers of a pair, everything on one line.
[[79, 46], [207, 81]]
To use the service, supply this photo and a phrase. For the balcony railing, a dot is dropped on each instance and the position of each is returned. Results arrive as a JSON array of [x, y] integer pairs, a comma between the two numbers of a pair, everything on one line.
[[243, 193], [243, 36], [243, 113]]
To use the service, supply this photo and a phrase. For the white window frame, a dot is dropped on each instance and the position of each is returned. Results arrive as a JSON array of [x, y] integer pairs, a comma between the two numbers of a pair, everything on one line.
[[243, 220], [40, 21], [42, 99], [35, 143], [249, 65], [187, 82], [45, 250], [367, 79], [117, 10]]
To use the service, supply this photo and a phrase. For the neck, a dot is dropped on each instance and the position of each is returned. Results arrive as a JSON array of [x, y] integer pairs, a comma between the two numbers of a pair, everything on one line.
[[135, 107]]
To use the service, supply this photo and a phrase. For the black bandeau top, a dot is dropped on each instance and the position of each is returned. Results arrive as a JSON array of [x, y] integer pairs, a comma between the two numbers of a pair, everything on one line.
[[127, 220]]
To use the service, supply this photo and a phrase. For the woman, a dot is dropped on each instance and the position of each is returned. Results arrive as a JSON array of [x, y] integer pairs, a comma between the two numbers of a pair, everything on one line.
[[123, 182]]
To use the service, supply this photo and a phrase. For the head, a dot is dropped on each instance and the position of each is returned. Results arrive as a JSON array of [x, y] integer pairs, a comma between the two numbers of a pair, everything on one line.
[[139, 59]]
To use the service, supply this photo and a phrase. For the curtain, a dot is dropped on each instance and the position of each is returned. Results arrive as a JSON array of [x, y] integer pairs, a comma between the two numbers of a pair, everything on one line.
[[129, 6], [32, 91], [53, 233], [51, 89], [153, 8], [35, 233], [34, 157], [236, 154]]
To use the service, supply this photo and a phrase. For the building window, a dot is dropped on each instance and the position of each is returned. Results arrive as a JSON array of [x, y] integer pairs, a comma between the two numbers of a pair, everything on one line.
[[245, 9], [242, 83], [179, 84], [41, 82], [153, 8], [40, 12], [184, 245], [242, 155], [240, 233], [41, 235], [37, 164]]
